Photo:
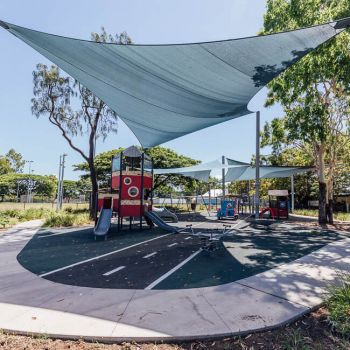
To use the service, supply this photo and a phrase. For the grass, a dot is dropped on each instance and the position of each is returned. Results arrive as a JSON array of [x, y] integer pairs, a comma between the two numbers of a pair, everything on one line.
[[69, 216], [338, 306], [64, 219], [49, 206], [314, 212]]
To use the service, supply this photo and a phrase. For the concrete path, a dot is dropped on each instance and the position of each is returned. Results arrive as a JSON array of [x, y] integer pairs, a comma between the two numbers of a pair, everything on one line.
[[31, 304]]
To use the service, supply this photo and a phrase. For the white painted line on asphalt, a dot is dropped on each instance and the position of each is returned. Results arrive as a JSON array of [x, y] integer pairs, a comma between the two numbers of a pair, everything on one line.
[[188, 238], [182, 263], [149, 255], [101, 256], [171, 245], [63, 232], [115, 270]]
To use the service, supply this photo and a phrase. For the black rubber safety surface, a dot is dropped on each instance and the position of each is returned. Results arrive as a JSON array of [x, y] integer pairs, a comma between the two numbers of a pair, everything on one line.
[[137, 259]]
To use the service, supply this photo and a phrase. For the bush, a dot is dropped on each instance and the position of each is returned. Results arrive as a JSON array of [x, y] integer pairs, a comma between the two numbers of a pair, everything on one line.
[[6, 221], [313, 212], [338, 306], [65, 219], [342, 216], [32, 214], [69, 210]]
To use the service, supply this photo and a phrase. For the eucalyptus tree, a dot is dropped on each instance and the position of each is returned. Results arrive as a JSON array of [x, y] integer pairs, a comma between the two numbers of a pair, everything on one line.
[[55, 97], [314, 93]]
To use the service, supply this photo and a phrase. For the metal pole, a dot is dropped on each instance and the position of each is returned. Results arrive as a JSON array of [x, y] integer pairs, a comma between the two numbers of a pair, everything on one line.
[[120, 219], [63, 166], [59, 186], [292, 192], [17, 191], [142, 190], [223, 179], [257, 167], [28, 182], [209, 197]]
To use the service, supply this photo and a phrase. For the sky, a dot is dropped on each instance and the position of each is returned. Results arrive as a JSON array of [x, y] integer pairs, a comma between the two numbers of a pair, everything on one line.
[[146, 22]]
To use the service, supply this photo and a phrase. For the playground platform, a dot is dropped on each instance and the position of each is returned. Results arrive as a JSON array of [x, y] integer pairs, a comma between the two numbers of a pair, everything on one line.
[[32, 302]]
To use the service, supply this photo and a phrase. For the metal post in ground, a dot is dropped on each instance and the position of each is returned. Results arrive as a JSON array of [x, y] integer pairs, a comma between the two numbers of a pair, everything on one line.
[[59, 185], [142, 188], [223, 179], [29, 182], [209, 197], [257, 167], [63, 167], [292, 192]]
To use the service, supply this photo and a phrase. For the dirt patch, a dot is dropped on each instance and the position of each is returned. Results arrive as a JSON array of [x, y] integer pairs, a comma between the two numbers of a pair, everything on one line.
[[309, 332]]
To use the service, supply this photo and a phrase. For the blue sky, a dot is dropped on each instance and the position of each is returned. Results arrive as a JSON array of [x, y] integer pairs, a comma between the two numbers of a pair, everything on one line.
[[151, 21]]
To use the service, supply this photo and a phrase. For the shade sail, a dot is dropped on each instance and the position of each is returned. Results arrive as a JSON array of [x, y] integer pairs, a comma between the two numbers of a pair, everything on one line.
[[166, 91], [266, 172], [236, 170], [200, 171]]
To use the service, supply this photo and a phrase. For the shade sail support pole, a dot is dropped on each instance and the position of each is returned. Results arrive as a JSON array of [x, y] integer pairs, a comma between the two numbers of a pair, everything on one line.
[[223, 179], [292, 193], [257, 166]]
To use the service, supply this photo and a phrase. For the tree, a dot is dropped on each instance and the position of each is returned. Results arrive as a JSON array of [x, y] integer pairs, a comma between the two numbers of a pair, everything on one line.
[[16, 160], [53, 98], [13, 184], [5, 166], [163, 158], [103, 165], [12, 162], [314, 93]]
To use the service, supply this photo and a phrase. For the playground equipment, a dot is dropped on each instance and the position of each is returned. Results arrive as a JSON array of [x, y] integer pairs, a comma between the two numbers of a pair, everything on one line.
[[228, 209], [104, 223], [131, 189], [212, 240], [164, 213], [153, 218], [130, 195], [278, 205]]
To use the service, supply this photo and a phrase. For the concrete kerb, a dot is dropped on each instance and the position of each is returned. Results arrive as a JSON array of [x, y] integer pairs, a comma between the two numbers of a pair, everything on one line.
[[163, 339]]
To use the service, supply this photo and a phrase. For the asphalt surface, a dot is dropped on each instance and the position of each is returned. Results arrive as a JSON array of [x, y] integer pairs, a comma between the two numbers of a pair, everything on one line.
[[137, 259], [133, 268]]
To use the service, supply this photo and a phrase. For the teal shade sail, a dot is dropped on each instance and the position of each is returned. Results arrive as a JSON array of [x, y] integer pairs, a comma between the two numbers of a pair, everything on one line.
[[163, 92], [199, 172], [235, 170], [266, 172]]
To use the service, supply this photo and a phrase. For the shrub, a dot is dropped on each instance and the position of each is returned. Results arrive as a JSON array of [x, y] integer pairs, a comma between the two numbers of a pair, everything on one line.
[[338, 306], [69, 210], [32, 214], [12, 213], [65, 219]]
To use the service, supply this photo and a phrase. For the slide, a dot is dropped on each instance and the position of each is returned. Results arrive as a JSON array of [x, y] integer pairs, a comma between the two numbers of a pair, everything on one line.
[[103, 223], [159, 222], [164, 213]]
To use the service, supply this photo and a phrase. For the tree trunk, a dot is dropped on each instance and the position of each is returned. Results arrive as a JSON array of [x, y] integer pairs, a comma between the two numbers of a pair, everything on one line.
[[322, 197], [94, 191], [330, 211], [330, 196]]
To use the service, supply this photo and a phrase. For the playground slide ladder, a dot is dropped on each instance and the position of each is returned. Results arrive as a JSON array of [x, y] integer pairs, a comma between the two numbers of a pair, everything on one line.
[[103, 223]]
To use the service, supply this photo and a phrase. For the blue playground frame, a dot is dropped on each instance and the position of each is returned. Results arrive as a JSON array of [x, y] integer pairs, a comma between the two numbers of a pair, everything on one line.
[[228, 209]]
